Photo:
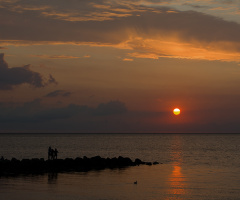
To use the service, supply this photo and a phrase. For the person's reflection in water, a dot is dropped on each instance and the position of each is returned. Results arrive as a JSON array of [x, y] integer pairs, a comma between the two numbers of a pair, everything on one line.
[[52, 178]]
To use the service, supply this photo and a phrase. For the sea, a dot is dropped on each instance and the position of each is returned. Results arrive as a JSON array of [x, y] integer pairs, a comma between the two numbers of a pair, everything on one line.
[[192, 166]]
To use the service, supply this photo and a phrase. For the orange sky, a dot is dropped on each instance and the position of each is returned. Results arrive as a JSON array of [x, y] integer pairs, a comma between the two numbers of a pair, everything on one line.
[[119, 66]]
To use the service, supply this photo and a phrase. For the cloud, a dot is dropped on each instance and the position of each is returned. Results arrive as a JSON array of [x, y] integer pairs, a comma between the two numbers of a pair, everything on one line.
[[57, 93], [51, 80], [146, 55], [113, 117], [229, 1], [111, 108], [154, 31], [55, 56], [91, 17], [36, 111], [221, 8], [195, 6], [127, 59], [74, 11], [10, 77]]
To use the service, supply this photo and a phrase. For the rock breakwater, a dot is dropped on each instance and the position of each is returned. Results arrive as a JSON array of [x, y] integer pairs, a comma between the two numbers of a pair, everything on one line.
[[40, 166]]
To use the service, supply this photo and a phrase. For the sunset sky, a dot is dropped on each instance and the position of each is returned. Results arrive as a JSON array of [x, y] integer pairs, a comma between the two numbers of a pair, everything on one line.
[[120, 66]]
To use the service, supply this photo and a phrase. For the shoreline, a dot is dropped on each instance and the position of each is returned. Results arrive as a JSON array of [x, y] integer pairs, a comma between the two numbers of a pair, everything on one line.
[[40, 166]]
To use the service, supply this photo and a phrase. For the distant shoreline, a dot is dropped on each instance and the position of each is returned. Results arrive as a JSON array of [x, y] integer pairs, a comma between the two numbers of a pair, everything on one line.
[[117, 133]]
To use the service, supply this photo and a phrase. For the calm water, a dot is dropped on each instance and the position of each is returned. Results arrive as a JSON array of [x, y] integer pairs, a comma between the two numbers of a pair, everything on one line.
[[195, 166]]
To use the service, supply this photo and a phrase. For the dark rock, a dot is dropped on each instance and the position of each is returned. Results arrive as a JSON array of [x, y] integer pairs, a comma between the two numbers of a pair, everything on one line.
[[138, 161], [148, 163], [39, 166]]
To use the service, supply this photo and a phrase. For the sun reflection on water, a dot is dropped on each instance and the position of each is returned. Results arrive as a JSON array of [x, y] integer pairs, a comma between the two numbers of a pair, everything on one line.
[[177, 180]]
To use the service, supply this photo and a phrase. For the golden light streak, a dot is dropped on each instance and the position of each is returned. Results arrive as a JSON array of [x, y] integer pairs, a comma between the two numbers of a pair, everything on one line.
[[166, 46], [177, 180], [55, 56], [127, 59]]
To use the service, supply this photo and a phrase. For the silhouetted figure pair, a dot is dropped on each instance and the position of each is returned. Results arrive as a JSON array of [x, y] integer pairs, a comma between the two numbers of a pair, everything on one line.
[[52, 154]]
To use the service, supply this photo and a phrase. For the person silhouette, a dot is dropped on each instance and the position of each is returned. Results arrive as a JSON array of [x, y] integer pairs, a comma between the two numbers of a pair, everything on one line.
[[52, 153], [55, 153], [49, 153]]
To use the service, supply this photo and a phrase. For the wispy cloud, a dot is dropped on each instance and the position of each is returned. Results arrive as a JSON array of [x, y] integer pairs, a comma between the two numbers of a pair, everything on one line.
[[221, 8], [127, 59], [55, 56], [94, 16], [174, 48], [148, 31], [145, 55], [77, 10]]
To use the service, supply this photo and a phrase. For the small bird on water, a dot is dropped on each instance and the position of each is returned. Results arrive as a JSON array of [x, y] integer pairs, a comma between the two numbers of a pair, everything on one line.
[[135, 182]]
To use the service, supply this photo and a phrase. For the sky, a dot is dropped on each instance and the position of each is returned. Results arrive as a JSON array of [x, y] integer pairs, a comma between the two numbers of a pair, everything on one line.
[[118, 66]]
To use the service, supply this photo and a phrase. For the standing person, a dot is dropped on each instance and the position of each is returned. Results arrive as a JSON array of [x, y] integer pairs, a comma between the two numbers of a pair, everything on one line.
[[55, 153], [52, 154], [49, 153]]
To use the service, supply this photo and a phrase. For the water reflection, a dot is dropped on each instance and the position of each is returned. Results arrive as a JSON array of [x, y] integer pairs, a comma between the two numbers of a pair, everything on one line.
[[52, 178], [177, 180]]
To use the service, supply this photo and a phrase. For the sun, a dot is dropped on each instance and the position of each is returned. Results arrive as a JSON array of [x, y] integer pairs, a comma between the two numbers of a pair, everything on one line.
[[176, 111]]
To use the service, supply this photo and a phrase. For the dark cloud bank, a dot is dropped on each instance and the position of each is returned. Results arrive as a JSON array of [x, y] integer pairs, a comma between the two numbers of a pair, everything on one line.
[[35, 116], [110, 117], [10, 77], [190, 25], [57, 93]]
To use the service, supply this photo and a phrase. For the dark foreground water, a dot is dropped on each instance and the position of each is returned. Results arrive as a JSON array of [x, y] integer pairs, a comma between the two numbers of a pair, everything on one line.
[[195, 166]]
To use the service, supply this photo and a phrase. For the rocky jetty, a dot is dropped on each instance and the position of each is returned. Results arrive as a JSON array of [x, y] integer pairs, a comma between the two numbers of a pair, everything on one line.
[[40, 166]]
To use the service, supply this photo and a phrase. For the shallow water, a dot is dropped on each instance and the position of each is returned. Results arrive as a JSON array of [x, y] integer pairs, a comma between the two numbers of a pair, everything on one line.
[[194, 167]]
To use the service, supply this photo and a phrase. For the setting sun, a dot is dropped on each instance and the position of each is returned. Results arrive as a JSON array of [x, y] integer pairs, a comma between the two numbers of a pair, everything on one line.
[[176, 111]]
